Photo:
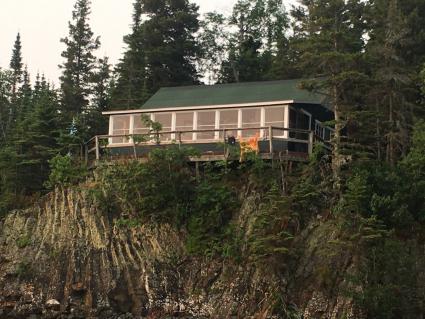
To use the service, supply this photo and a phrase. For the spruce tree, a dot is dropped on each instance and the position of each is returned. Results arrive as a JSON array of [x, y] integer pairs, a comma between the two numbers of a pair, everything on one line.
[[169, 43], [77, 74], [214, 42], [330, 41], [6, 93], [393, 93], [16, 63], [94, 121], [253, 47], [130, 88], [36, 140]]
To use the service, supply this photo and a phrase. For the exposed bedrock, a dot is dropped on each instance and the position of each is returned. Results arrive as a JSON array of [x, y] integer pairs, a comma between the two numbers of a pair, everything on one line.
[[63, 258]]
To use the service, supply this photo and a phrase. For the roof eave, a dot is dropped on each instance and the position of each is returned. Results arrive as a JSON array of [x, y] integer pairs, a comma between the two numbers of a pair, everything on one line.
[[206, 107]]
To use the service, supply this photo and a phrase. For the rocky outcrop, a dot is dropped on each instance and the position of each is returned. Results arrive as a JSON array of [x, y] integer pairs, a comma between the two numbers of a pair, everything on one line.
[[64, 258]]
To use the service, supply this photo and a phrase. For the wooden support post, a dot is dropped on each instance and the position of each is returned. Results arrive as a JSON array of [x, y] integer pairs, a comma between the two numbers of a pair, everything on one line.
[[271, 141], [134, 150], [310, 142], [225, 145], [97, 148], [198, 175]]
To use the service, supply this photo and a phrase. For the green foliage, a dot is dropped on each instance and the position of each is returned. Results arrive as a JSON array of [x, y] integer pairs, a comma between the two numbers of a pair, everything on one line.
[[24, 270], [65, 172], [212, 209], [128, 223], [273, 229], [161, 50], [165, 190], [389, 277], [23, 241], [78, 68]]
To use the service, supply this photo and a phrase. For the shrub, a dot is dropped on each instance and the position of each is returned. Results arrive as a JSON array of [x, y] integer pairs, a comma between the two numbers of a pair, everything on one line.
[[65, 172], [23, 241]]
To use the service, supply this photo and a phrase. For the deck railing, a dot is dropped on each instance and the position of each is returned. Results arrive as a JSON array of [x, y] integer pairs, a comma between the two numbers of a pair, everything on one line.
[[97, 144]]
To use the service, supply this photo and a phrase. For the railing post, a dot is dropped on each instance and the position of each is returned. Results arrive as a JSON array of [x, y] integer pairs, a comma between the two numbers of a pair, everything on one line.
[[97, 148], [224, 141], [310, 142], [180, 138], [271, 140]]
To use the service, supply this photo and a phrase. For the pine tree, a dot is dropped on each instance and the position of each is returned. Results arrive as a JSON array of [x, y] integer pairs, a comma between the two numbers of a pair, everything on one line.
[[16, 63], [330, 41], [214, 41], [77, 74], [394, 89], [6, 93], [36, 141], [252, 49], [101, 91], [169, 43], [24, 98], [130, 88], [93, 120]]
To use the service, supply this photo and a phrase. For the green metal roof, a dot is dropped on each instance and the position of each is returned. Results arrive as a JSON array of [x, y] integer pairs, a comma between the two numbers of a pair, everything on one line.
[[235, 93]]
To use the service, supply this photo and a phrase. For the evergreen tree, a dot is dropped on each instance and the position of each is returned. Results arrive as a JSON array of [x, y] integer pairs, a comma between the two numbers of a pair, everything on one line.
[[77, 74], [6, 93], [16, 63], [24, 97], [260, 28], [130, 89], [102, 80], [169, 43], [214, 41], [93, 120], [330, 41], [394, 90], [36, 141]]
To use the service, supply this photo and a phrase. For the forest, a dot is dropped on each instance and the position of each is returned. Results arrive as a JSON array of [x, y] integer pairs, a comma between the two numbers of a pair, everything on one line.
[[366, 56], [370, 53]]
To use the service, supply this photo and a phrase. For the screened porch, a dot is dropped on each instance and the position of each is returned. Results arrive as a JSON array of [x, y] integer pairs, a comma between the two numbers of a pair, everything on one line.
[[276, 129]]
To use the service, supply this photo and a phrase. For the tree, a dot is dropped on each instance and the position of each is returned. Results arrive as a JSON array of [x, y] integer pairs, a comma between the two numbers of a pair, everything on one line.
[[330, 41], [169, 42], [252, 48], [6, 93], [393, 93], [36, 141], [130, 89], [93, 121], [16, 63], [77, 74], [214, 41]]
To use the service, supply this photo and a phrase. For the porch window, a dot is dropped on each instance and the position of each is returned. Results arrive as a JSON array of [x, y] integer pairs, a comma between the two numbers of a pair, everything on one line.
[[184, 122], [251, 118], [139, 126], [120, 126], [275, 116], [165, 119], [229, 120], [206, 121], [301, 121]]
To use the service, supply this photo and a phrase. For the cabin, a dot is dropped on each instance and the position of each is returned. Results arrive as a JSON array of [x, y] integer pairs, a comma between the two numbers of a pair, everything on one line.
[[277, 117]]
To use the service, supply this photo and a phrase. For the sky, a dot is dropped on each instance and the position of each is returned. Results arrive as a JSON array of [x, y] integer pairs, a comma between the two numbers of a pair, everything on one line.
[[42, 23]]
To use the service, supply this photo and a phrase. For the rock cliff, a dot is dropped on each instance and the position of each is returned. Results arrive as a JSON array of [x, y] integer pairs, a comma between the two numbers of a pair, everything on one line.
[[64, 258]]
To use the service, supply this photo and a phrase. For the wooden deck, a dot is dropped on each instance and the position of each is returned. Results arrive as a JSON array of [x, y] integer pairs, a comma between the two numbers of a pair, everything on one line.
[[273, 143]]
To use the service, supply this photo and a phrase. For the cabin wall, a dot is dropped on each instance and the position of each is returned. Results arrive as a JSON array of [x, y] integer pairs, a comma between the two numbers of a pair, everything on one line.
[[232, 118]]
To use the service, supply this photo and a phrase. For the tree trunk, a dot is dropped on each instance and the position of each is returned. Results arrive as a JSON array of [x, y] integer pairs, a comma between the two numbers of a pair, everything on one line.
[[378, 133], [390, 146], [337, 158]]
